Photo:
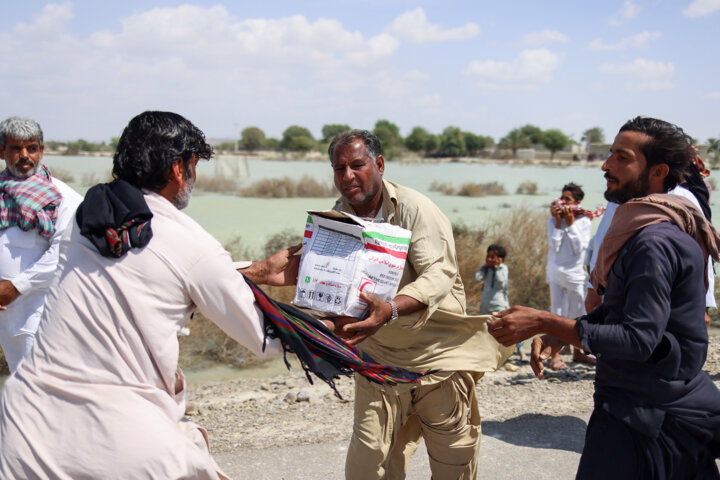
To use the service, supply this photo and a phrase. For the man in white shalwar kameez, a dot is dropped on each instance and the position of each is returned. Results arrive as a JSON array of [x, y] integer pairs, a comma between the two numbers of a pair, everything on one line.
[[28, 257], [101, 395]]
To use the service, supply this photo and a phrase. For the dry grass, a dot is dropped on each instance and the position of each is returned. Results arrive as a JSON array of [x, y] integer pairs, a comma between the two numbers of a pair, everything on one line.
[[481, 189], [306, 187], [522, 233], [90, 179], [469, 189], [63, 175], [216, 184], [207, 343], [443, 187], [527, 188]]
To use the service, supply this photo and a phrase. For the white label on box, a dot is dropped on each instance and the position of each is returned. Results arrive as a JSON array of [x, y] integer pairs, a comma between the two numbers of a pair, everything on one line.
[[344, 255]]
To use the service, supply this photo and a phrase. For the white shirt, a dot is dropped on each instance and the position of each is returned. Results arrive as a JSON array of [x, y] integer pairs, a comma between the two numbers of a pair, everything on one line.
[[98, 396], [566, 250], [29, 261], [710, 294]]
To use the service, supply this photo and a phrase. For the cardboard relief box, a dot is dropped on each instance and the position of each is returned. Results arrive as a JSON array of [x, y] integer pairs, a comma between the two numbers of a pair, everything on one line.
[[344, 255]]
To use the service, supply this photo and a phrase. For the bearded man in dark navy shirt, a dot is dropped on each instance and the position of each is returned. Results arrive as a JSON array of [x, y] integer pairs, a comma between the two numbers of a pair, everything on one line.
[[657, 414]]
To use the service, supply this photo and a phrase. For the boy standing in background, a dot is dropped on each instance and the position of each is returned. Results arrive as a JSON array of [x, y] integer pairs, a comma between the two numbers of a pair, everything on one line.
[[494, 274]]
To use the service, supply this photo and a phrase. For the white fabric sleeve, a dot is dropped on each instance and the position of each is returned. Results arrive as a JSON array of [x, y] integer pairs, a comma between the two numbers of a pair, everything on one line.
[[39, 274], [579, 234], [221, 295], [555, 235]]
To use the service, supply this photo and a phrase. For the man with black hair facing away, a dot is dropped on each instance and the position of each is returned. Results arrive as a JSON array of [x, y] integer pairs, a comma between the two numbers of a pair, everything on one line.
[[657, 414], [101, 395]]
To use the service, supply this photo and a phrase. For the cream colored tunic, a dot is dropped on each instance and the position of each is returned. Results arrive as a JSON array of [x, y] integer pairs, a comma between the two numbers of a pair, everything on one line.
[[97, 396]]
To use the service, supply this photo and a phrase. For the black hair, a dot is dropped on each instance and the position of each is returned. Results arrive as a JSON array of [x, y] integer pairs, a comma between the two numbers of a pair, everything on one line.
[[668, 144], [575, 190], [372, 142], [151, 143], [498, 249]]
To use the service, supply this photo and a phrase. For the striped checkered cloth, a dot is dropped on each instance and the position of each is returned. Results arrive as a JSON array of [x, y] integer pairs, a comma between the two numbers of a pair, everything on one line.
[[319, 350], [29, 203]]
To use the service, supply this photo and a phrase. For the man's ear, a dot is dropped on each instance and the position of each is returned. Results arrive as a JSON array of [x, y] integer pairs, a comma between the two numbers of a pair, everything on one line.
[[380, 162], [661, 170], [177, 171]]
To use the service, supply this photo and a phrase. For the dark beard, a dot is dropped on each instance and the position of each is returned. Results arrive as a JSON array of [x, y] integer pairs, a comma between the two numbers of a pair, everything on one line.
[[634, 189]]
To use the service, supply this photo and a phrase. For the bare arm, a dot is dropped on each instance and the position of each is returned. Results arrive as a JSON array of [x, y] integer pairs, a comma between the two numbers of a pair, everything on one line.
[[518, 323], [281, 269]]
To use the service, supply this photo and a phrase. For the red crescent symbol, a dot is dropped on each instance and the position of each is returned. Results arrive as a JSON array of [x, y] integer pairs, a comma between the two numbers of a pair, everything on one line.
[[362, 286]]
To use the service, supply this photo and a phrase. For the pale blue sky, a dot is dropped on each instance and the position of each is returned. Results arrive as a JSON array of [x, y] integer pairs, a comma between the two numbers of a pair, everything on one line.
[[84, 68]]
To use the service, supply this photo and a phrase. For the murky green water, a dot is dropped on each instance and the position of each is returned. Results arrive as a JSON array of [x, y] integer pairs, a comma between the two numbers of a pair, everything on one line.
[[228, 217]]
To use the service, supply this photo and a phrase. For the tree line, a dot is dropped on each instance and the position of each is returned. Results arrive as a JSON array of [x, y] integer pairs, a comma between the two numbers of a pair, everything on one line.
[[451, 142]]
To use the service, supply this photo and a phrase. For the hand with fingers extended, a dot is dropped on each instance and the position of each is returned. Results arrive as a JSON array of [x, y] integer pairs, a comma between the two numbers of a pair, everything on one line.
[[281, 269], [543, 348], [515, 324], [354, 330]]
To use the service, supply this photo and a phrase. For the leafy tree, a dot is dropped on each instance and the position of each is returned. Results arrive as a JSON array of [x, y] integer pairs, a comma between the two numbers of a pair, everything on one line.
[[554, 140], [297, 139], [272, 144], [114, 143], [304, 144], [417, 140], [452, 142], [389, 135], [593, 135], [432, 144], [535, 134], [474, 143], [252, 138], [514, 140], [330, 130], [226, 146]]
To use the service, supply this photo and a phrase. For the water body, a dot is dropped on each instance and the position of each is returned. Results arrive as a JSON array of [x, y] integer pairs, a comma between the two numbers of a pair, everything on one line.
[[228, 217]]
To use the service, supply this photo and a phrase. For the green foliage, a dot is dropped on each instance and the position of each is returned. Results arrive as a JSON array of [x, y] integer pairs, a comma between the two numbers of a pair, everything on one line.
[[433, 143], [252, 138], [474, 143], [82, 145], [225, 146], [554, 140], [452, 142], [420, 140], [114, 143], [533, 133], [297, 139], [593, 135], [389, 135], [330, 130], [272, 144], [515, 139]]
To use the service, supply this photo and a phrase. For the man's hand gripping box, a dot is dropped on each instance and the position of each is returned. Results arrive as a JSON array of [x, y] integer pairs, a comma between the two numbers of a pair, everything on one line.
[[344, 255]]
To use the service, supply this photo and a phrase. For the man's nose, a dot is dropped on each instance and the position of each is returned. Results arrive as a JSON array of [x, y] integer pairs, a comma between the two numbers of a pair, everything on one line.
[[347, 173]]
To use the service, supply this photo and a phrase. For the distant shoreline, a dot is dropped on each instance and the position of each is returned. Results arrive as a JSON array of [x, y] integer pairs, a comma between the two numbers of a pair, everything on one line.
[[321, 157]]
